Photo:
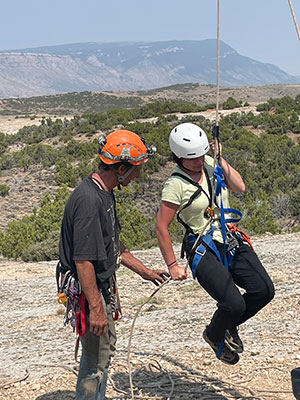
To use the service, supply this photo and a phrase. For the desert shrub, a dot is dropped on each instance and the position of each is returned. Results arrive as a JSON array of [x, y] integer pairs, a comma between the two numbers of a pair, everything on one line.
[[231, 103], [136, 227], [3, 143], [18, 237], [43, 251], [259, 216], [34, 228], [67, 175], [4, 190], [295, 202]]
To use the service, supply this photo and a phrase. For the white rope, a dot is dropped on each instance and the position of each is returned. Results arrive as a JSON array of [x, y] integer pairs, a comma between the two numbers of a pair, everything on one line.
[[131, 334], [294, 18], [216, 149], [212, 219], [218, 63]]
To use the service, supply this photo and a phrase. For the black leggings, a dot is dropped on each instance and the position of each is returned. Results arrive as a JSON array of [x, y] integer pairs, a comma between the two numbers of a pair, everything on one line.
[[247, 272]]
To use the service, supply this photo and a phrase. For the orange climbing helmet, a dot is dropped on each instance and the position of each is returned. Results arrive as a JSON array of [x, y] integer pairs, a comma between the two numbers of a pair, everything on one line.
[[124, 146]]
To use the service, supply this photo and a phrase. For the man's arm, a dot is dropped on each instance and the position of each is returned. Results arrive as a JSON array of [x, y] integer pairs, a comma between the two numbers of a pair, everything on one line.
[[87, 279], [131, 262]]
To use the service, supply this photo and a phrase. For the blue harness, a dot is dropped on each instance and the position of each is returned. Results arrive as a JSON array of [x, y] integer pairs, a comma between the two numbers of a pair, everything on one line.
[[207, 239]]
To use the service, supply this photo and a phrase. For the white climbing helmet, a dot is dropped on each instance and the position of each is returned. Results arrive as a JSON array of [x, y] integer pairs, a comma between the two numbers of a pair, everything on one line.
[[188, 140]]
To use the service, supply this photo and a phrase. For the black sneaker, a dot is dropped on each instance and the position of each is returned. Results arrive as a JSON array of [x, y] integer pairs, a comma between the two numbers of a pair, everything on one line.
[[227, 356], [233, 340]]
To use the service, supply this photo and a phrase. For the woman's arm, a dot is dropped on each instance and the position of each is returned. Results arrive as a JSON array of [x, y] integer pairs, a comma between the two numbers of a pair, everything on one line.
[[232, 177], [165, 216]]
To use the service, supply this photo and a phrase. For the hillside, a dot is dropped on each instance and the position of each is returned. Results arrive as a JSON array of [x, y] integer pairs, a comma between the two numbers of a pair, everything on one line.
[[128, 66], [167, 347], [48, 154], [86, 102]]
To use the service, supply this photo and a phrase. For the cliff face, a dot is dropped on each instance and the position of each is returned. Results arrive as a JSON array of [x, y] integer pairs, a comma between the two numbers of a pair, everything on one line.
[[128, 66]]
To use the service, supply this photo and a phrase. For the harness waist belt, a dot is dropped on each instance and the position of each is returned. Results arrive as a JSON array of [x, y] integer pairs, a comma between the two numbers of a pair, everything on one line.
[[206, 242]]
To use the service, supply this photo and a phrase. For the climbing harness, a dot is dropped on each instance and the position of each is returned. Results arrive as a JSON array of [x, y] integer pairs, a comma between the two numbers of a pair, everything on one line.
[[195, 195], [229, 235], [70, 294], [230, 241]]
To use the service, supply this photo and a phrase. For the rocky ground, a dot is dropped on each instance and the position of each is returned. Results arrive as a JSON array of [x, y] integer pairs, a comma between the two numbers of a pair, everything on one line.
[[27, 188], [168, 357]]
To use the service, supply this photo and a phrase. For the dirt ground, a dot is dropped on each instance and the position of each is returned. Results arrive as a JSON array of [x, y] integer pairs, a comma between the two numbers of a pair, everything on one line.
[[10, 125], [168, 357]]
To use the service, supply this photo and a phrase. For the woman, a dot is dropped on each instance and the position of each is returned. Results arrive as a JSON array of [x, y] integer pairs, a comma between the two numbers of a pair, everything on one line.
[[188, 192]]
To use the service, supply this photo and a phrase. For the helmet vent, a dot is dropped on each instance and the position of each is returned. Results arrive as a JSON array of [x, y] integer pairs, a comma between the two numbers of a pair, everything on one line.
[[200, 133], [187, 140], [191, 154]]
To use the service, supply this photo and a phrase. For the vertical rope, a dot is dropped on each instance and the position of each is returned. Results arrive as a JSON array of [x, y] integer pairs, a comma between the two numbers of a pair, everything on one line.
[[216, 127], [294, 18], [215, 132], [218, 62]]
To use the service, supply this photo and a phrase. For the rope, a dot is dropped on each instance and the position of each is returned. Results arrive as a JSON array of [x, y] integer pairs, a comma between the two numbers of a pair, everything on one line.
[[218, 63], [154, 379], [216, 134], [216, 128], [294, 18], [8, 384], [131, 334]]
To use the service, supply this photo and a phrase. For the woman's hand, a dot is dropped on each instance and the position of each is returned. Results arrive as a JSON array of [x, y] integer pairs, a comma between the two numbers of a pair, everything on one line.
[[213, 147], [177, 273]]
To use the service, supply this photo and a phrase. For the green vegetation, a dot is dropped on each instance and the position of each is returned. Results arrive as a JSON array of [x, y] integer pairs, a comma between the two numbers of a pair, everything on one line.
[[67, 104], [231, 103], [269, 163], [21, 234], [4, 190]]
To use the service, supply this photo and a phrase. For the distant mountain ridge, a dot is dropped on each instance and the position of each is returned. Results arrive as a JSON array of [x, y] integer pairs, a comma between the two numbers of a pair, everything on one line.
[[128, 66]]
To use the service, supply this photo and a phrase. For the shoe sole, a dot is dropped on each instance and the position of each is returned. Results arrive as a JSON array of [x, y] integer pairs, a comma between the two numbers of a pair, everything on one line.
[[233, 361], [232, 345]]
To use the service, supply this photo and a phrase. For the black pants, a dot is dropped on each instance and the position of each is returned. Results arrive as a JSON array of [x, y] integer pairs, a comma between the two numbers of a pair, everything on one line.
[[245, 271]]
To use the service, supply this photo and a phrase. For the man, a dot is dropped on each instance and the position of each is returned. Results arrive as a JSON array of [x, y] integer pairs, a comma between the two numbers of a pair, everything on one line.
[[90, 245]]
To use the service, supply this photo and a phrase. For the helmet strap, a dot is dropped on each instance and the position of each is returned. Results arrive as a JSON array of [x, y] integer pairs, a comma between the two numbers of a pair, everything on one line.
[[180, 164], [121, 178]]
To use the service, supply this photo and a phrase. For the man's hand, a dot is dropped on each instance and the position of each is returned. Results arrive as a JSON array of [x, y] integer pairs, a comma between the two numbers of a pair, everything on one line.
[[98, 321], [157, 277]]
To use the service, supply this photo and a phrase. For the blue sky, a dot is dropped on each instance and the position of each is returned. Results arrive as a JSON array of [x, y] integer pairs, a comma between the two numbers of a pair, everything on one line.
[[260, 29]]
